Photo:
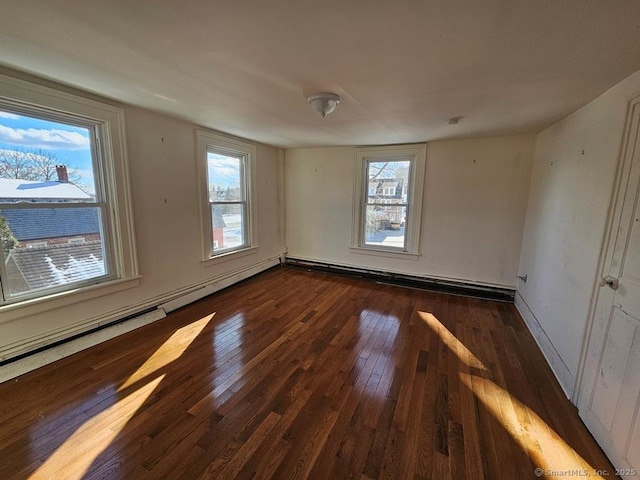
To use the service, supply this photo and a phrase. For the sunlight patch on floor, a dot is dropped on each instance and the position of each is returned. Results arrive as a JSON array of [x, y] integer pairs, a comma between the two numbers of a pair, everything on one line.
[[74, 457], [451, 341], [546, 449], [169, 351]]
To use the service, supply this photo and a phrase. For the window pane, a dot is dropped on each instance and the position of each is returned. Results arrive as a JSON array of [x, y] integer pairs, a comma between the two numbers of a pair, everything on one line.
[[44, 161], [225, 178], [388, 182], [385, 225], [47, 248], [229, 230]]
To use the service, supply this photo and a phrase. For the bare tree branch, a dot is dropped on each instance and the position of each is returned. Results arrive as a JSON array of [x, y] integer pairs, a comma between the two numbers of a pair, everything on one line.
[[37, 165]]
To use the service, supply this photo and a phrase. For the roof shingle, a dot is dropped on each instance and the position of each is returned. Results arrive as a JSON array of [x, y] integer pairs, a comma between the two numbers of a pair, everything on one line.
[[41, 223], [58, 264]]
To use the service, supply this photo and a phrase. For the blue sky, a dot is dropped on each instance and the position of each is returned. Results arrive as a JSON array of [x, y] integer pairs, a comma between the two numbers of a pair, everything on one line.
[[224, 171], [70, 144], [72, 147]]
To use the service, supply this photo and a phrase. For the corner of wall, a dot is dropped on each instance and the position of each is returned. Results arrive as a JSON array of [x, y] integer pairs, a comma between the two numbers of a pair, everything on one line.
[[558, 367]]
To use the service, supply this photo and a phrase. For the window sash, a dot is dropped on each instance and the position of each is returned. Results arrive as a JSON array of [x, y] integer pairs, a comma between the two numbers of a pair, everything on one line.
[[243, 203], [243, 226], [7, 297], [366, 203], [94, 127]]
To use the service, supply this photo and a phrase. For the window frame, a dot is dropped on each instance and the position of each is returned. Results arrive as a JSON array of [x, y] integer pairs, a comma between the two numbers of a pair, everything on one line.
[[208, 141], [243, 202], [111, 178], [416, 155], [100, 203]]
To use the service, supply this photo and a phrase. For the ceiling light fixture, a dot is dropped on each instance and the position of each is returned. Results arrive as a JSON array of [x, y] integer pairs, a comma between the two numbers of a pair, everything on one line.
[[324, 103], [455, 120]]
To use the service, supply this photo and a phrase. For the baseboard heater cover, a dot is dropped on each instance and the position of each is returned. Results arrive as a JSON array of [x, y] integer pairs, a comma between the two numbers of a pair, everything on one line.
[[435, 285], [200, 291], [25, 362]]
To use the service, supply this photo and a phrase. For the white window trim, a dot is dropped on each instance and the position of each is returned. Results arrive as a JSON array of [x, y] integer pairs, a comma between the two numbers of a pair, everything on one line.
[[206, 139], [418, 154], [114, 175]]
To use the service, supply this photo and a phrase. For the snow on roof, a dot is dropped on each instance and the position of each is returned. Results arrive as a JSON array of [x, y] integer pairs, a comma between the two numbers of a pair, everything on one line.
[[32, 190], [57, 264]]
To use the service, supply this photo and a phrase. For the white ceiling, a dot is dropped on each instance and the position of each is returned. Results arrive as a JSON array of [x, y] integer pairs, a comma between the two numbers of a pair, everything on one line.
[[402, 67]]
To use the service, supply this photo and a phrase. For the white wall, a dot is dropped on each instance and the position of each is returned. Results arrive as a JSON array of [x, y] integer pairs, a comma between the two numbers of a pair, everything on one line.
[[163, 186], [572, 180], [473, 212]]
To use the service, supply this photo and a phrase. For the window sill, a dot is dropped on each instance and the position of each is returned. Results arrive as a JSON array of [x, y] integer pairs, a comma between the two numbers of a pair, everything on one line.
[[47, 303], [225, 257], [378, 252]]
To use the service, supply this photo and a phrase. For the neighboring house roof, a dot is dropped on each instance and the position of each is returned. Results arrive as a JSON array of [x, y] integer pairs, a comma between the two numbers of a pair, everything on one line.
[[57, 264], [41, 223], [379, 184], [35, 190]]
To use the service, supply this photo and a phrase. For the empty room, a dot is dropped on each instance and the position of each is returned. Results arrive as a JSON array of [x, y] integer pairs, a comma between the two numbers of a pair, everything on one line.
[[319, 240]]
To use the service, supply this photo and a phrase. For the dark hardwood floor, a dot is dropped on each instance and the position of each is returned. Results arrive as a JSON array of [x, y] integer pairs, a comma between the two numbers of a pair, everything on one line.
[[302, 375]]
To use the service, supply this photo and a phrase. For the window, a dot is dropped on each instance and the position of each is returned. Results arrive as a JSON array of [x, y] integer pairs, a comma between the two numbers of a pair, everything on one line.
[[227, 200], [65, 217], [225, 167], [381, 224]]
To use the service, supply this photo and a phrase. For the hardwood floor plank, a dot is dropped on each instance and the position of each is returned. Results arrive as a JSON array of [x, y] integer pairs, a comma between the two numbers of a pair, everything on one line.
[[299, 375], [468, 410], [373, 462], [457, 466], [233, 467], [267, 458], [342, 434]]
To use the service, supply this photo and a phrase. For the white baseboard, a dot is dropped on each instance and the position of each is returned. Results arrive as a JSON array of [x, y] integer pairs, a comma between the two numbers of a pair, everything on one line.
[[558, 367], [50, 355], [196, 292]]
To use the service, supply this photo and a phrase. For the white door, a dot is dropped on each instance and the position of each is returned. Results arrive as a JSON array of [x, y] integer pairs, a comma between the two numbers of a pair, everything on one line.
[[609, 393]]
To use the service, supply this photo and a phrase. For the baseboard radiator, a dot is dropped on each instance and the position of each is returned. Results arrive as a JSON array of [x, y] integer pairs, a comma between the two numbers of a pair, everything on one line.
[[425, 283]]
